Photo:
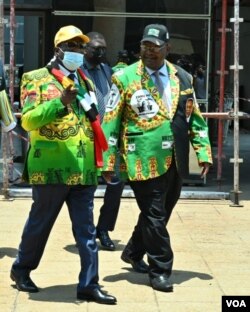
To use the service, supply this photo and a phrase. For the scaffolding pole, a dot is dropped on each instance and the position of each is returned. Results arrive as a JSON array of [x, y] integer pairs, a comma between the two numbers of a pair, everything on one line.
[[222, 73], [2, 30], [7, 140], [4, 135], [12, 51], [236, 67], [11, 150]]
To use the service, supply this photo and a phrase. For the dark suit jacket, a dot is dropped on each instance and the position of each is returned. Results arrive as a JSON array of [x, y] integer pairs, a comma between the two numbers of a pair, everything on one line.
[[2, 77], [107, 70]]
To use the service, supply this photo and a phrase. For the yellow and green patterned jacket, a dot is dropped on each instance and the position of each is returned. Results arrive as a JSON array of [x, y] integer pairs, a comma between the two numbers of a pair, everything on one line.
[[61, 142], [139, 125]]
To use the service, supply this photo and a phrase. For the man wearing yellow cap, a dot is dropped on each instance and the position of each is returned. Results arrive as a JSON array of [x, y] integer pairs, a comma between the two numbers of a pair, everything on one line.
[[66, 144]]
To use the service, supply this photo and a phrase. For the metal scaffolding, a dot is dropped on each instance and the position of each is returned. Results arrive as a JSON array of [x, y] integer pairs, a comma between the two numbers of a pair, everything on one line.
[[6, 138], [236, 67], [222, 73], [236, 115]]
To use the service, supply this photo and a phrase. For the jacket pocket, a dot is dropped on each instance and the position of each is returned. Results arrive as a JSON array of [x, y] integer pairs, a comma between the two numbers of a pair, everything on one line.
[[130, 134]]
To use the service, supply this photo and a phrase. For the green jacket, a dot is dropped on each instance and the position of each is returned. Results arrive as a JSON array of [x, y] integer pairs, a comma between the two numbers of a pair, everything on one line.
[[61, 147], [118, 66], [138, 124]]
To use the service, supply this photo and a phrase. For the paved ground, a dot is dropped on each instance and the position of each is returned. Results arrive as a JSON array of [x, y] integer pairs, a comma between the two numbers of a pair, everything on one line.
[[211, 241]]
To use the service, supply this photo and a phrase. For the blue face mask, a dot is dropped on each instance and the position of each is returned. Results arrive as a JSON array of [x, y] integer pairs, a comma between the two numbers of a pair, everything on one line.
[[72, 60]]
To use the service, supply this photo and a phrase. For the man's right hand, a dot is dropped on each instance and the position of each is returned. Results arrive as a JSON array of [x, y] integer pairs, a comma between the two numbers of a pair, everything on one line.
[[68, 95]]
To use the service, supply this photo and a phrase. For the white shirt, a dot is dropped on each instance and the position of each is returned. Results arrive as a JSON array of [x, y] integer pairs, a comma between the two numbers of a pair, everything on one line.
[[67, 72]]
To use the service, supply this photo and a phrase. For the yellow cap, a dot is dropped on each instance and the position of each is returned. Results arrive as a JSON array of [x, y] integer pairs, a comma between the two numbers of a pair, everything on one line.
[[69, 32]]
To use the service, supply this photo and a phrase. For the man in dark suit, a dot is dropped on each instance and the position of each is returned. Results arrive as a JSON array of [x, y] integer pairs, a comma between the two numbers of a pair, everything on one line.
[[100, 73]]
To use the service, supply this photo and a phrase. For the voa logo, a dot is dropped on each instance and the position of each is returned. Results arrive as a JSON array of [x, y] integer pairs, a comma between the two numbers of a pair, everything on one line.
[[236, 303]]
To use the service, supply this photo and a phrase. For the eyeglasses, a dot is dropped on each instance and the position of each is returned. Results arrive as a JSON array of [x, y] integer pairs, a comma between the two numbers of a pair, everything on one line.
[[74, 45], [153, 49]]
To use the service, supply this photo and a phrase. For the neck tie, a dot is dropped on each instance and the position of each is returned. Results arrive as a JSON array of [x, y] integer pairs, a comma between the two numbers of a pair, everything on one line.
[[99, 92], [158, 82], [164, 92], [72, 77]]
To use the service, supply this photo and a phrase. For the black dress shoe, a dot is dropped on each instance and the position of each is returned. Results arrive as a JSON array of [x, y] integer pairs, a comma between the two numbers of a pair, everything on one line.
[[161, 283], [105, 240], [96, 295], [139, 266], [23, 282]]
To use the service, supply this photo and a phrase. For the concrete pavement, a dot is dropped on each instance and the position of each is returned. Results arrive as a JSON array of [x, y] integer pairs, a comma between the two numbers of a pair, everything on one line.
[[210, 239]]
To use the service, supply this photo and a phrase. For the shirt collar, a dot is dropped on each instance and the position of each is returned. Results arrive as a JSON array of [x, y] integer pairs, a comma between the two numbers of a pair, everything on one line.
[[65, 71], [163, 71]]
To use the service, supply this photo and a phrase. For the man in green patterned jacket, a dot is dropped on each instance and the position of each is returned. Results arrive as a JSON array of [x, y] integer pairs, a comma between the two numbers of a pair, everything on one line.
[[66, 144], [152, 116]]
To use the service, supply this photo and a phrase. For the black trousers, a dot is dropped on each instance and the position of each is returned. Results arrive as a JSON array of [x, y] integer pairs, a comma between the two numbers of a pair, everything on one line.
[[156, 199], [110, 208]]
